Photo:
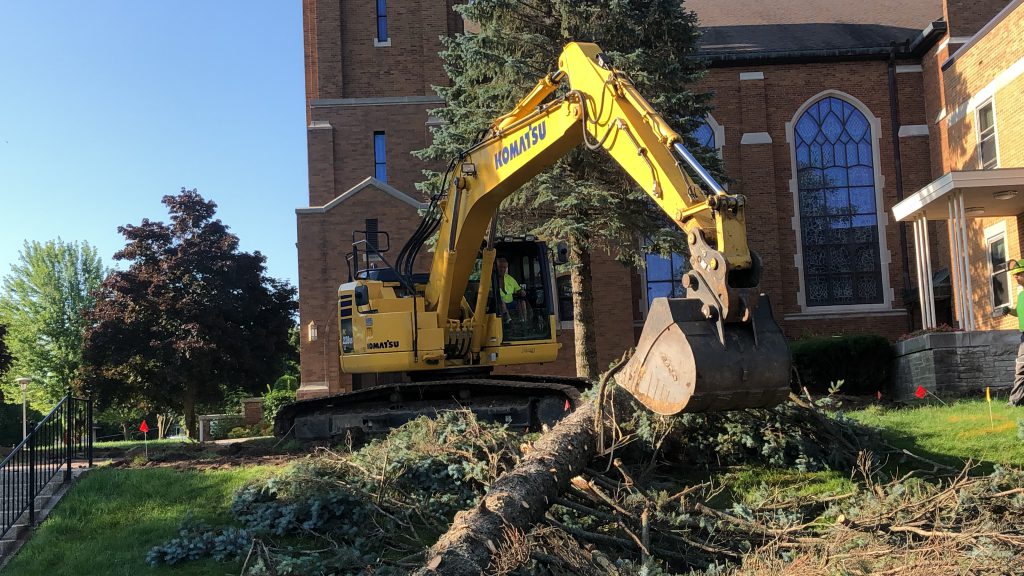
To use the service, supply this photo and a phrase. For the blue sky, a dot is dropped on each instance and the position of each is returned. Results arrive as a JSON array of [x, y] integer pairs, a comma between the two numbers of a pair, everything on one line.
[[106, 106]]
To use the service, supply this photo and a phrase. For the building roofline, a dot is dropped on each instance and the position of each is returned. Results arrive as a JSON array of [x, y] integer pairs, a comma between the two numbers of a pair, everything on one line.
[[915, 48], [369, 182]]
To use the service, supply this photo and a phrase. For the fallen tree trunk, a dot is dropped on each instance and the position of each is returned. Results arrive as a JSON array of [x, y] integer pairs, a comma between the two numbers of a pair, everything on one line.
[[519, 498]]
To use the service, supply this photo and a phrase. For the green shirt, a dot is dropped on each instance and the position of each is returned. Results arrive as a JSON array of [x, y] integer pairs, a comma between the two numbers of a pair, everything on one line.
[[1020, 310], [510, 288]]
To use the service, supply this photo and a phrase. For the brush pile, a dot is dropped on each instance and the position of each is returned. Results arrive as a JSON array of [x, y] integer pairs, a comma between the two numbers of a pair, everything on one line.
[[656, 499]]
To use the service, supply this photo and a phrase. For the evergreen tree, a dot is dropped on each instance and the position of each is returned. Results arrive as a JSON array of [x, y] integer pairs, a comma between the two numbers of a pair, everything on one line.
[[584, 198]]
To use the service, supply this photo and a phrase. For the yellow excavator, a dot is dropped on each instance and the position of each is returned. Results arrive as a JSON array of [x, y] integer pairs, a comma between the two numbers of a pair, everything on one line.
[[418, 343]]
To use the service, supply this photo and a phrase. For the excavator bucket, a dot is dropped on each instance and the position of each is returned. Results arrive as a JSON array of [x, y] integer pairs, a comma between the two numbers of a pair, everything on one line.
[[687, 363]]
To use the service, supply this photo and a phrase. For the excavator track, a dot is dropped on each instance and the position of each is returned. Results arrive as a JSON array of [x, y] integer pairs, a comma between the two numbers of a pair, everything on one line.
[[521, 402]]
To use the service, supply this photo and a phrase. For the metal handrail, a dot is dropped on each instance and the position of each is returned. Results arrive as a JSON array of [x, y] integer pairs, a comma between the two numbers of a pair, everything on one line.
[[64, 435]]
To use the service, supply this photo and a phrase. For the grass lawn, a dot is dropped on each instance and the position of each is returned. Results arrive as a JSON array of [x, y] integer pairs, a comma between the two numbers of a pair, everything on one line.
[[129, 444], [754, 484], [953, 433], [112, 517]]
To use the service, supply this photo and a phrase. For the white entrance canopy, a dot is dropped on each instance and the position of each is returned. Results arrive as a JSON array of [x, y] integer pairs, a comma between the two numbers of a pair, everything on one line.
[[957, 197]]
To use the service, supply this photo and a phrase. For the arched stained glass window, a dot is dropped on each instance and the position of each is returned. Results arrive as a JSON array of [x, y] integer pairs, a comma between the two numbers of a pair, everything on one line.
[[838, 215]]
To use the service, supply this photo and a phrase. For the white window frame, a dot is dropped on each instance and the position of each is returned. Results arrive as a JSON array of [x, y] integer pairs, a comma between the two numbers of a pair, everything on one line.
[[995, 233], [995, 133]]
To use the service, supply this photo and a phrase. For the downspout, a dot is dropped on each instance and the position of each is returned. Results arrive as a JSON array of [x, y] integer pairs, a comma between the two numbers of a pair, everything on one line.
[[894, 113]]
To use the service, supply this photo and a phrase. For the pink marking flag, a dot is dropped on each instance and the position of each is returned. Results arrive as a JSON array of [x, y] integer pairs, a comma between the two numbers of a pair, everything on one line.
[[145, 439]]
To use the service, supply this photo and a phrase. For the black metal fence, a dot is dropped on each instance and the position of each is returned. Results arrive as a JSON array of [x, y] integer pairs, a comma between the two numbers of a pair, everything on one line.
[[64, 435]]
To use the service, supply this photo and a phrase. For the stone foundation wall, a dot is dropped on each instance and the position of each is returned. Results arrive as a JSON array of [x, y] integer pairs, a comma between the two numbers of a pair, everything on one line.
[[956, 363]]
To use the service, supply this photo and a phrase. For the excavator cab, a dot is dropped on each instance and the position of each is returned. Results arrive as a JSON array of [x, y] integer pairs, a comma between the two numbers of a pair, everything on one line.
[[527, 316], [527, 313]]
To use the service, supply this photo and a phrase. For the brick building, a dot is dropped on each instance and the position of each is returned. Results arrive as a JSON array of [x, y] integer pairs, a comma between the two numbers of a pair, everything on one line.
[[824, 115], [975, 108]]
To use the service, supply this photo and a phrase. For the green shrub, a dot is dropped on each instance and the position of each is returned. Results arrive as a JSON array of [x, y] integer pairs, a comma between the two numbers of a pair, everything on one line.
[[863, 361], [10, 423], [273, 401]]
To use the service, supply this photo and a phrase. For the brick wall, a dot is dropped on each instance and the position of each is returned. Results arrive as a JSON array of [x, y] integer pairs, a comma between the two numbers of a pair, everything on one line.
[[343, 155], [966, 17], [969, 75], [353, 89], [342, 62]]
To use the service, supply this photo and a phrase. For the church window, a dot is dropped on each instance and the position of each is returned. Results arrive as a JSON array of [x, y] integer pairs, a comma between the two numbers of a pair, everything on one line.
[[837, 205]]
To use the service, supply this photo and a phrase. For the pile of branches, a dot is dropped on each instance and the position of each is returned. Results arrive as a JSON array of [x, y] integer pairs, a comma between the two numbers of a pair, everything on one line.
[[647, 504], [602, 525], [341, 511]]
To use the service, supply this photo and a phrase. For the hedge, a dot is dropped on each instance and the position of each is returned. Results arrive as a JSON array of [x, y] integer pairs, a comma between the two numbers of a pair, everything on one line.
[[863, 362]]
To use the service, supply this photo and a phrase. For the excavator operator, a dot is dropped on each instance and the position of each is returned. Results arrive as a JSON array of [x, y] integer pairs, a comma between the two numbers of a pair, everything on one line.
[[510, 290]]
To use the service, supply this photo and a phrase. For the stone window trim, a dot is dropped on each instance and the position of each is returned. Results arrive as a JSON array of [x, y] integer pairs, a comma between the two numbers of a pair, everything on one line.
[[995, 233], [874, 311], [369, 183], [885, 256], [984, 134]]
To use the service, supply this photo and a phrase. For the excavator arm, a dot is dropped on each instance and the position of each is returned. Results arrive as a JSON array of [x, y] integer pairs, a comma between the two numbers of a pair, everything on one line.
[[604, 111], [722, 336]]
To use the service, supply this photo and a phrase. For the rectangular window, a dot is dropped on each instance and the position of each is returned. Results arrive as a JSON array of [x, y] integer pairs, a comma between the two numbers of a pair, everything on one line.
[[988, 155], [997, 266], [664, 276], [382, 21], [380, 164]]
